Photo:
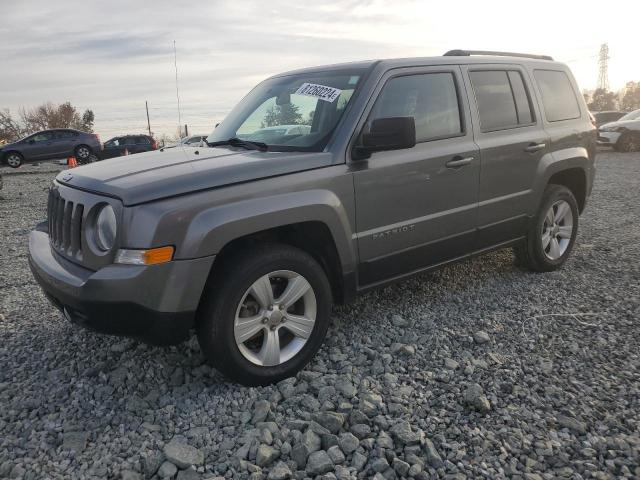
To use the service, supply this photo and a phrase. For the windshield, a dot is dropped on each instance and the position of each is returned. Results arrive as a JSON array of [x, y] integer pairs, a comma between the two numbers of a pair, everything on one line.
[[294, 112], [635, 115]]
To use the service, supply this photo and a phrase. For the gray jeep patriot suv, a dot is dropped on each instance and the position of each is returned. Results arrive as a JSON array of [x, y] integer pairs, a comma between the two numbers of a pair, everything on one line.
[[401, 166]]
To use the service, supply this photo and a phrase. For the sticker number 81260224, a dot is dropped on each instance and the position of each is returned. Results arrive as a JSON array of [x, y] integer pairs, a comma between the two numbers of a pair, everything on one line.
[[328, 94]]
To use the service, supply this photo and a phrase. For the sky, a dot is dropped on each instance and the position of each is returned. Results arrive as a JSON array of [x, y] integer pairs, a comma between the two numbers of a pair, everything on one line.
[[112, 56]]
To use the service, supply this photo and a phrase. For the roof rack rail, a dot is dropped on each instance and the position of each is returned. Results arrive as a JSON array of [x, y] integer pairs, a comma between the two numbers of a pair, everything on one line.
[[467, 53]]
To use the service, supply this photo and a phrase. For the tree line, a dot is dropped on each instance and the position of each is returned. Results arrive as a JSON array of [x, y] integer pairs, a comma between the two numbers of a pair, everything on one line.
[[43, 117], [627, 101]]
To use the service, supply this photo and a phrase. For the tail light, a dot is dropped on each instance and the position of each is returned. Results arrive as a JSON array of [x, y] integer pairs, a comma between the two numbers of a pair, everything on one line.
[[154, 145], [593, 119]]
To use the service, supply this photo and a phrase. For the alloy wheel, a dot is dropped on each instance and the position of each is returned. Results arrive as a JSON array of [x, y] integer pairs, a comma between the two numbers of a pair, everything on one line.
[[83, 152], [275, 318], [557, 230], [14, 160]]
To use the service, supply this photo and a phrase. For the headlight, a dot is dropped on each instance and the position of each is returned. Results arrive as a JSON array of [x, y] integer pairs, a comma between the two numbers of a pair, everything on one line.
[[106, 228]]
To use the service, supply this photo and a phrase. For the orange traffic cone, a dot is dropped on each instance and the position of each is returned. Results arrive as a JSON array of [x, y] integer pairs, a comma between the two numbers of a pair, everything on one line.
[[72, 162]]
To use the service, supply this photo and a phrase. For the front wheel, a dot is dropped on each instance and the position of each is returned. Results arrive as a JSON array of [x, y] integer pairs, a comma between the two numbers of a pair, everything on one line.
[[628, 142], [13, 159], [551, 233], [265, 314]]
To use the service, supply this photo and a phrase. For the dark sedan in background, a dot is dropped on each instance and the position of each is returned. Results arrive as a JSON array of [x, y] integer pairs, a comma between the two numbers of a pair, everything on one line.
[[127, 145], [50, 145]]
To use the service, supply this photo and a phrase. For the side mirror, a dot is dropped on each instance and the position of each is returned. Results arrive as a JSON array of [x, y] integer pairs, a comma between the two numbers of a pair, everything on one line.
[[392, 133]]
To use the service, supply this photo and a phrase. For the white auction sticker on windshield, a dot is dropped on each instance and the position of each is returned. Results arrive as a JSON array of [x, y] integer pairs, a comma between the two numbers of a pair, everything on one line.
[[328, 94]]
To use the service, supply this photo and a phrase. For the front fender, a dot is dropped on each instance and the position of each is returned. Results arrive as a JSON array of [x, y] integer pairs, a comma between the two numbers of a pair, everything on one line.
[[211, 229]]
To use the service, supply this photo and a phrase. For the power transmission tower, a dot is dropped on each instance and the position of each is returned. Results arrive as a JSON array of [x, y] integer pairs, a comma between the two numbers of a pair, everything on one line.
[[603, 65]]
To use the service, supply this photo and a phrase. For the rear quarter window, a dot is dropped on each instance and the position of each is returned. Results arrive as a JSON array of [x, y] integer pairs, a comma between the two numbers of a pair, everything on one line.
[[558, 97]]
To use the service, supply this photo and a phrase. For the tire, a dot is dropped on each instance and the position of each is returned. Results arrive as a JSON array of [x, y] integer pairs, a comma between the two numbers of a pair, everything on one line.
[[91, 159], [13, 159], [239, 290], [538, 252], [82, 153], [628, 142]]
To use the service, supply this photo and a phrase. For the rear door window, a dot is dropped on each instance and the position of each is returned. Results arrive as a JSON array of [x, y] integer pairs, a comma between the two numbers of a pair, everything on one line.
[[502, 99], [142, 141], [558, 98], [65, 134]]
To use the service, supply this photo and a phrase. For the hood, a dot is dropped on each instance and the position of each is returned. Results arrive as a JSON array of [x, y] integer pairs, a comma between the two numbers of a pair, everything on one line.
[[145, 177], [8, 145]]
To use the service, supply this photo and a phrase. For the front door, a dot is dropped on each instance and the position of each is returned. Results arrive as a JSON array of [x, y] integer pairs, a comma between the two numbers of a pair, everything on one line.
[[417, 207], [40, 146]]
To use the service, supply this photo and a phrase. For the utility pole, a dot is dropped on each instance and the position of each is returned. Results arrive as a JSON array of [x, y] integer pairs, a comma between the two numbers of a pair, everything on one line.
[[175, 63], [603, 65], [146, 104]]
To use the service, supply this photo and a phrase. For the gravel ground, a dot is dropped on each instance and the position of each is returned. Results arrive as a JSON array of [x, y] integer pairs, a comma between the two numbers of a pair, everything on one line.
[[479, 370]]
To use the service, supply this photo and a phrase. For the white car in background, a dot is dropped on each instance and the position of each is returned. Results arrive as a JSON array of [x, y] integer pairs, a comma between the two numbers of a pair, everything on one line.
[[623, 134], [269, 133], [191, 141]]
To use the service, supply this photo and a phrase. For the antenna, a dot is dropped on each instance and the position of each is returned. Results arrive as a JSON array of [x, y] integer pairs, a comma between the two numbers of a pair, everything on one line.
[[603, 65], [175, 63]]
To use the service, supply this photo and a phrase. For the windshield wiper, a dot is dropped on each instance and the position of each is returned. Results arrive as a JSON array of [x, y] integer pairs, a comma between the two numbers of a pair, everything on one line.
[[238, 142]]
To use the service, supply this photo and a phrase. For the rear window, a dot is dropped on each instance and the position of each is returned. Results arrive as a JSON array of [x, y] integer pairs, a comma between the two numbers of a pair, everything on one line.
[[558, 98], [502, 98], [142, 141]]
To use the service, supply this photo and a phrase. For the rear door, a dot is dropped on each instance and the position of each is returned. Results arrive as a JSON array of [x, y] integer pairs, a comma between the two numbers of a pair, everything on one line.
[[417, 207], [512, 142], [64, 141], [142, 144]]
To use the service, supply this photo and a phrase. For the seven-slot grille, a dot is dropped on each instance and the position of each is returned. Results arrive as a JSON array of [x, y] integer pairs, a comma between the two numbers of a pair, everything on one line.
[[65, 225]]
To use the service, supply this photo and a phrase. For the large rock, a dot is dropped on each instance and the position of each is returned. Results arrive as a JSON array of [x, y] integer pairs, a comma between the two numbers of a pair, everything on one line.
[[572, 424], [481, 337], [433, 457], [370, 404], [311, 440], [280, 472], [75, 441], [332, 421], [474, 397], [182, 454], [167, 470], [336, 455], [404, 434], [260, 411], [348, 442], [319, 463], [266, 455], [299, 454]]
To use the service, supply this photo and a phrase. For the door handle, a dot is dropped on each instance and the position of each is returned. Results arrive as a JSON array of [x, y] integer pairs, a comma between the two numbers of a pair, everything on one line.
[[458, 162], [535, 147]]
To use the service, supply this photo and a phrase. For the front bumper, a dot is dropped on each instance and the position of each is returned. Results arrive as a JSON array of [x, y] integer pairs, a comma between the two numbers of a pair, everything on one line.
[[607, 139], [156, 304]]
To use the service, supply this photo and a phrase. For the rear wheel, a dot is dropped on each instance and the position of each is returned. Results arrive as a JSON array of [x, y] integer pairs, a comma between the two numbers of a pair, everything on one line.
[[13, 159], [265, 314], [551, 233], [629, 142], [83, 153]]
